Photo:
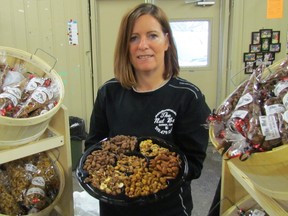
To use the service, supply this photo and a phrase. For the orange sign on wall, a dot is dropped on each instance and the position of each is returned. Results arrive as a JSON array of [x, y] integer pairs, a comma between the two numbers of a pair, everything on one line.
[[274, 9]]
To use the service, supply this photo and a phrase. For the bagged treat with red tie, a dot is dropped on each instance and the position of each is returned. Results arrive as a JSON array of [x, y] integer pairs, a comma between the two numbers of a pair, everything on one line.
[[10, 97], [40, 97]]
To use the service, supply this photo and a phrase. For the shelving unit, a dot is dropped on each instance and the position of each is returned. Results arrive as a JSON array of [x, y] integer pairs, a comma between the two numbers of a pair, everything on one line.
[[250, 183], [260, 181], [243, 192], [56, 140], [270, 205]]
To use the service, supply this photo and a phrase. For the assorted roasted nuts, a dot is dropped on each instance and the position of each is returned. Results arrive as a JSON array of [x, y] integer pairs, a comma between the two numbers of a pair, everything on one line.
[[122, 166], [148, 148]]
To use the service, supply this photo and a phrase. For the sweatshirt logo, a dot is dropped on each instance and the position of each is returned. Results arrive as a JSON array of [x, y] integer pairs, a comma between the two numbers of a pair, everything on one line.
[[164, 121]]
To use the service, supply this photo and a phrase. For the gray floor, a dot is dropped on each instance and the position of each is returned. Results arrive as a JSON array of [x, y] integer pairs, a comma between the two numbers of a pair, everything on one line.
[[203, 189]]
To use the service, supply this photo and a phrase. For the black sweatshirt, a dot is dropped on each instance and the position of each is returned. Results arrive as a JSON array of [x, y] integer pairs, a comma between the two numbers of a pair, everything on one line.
[[176, 112]]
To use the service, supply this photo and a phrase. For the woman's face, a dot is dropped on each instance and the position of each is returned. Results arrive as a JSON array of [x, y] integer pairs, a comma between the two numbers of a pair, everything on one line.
[[148, 45]]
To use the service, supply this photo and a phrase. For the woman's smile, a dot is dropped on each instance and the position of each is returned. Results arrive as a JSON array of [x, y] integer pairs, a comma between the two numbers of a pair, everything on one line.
[[144, 57]]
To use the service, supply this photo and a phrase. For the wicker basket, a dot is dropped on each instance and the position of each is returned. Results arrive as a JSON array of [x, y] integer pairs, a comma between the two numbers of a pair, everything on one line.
[[47, 211], [266, 171], [18, 131]]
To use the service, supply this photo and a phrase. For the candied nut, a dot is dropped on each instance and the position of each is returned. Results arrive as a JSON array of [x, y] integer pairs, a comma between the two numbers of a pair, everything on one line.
[[113, 171], [148, 148]]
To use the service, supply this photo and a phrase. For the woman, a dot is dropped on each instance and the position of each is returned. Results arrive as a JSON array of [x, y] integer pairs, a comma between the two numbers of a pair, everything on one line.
[[147, 98]]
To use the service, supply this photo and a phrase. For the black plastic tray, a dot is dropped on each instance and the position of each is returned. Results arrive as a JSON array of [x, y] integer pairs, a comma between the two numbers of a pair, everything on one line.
[[122, 199]]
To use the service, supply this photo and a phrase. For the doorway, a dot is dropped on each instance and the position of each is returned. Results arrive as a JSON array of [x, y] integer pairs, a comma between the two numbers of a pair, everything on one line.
[[203, 76], [108, 14]]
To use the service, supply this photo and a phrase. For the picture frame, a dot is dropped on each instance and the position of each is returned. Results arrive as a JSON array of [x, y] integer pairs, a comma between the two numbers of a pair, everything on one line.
[[259, 59], [264, 45], [275, 37], [249, 67], [275, 47], [265, 42], [269, 56], [259, 56], [255, 48], [255, 38], [249, 57], [265, 33]]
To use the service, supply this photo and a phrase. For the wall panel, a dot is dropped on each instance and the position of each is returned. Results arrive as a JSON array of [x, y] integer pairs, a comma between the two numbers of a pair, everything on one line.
[[32, 24]]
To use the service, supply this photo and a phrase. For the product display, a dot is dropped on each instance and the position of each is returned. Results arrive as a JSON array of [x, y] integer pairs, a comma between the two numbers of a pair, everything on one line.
[[29, 184], [22, 92], [253, 118], [31, 93], [126, 170]]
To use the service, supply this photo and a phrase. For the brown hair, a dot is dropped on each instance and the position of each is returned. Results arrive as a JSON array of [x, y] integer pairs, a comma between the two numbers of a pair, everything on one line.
[[123, 69]]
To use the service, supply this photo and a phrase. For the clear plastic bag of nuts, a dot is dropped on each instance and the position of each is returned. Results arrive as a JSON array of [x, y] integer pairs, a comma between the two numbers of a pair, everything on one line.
[[258, 115], [30, 183]]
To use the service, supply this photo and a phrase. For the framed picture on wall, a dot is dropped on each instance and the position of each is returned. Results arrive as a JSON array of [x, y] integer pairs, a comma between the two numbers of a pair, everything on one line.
[[269, 56], [259, 59], [249, 66], [249, 57], [275, 37], [264, 45], [255, 48], [275, 47], [255, 38], [265, 33], [265, 42], [259, 56]]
